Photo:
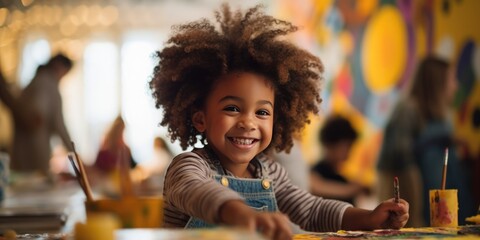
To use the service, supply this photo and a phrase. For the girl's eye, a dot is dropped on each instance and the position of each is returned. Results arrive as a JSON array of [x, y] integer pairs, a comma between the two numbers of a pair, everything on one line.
[[263, 113], [231, 109]]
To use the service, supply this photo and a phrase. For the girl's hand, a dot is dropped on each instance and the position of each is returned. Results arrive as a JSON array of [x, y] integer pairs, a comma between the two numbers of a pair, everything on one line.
[[271, 225], [386, 215], [390, 214]]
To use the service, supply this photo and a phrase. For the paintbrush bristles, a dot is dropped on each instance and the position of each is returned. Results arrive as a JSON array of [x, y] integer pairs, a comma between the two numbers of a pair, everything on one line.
[[444, 175], [446, 156]]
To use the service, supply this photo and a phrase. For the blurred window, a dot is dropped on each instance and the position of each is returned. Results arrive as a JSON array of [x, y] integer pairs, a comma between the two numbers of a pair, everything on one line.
[[35, 53], [101, 88], [138, 106]]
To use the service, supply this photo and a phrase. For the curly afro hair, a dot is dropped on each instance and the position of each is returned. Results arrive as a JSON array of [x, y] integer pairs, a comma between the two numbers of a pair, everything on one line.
[[199, 53]]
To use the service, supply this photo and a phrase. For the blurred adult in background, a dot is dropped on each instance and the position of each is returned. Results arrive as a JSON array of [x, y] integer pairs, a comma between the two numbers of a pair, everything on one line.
[[416, 136], [37, 116], [336, 137]]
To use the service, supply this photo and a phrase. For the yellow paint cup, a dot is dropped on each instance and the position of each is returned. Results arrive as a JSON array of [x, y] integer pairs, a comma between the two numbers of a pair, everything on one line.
[[98, 226], [443, 208], [133, 212]]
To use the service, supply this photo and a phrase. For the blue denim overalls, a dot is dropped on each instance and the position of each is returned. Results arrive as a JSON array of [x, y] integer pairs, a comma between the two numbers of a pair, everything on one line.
[[257, 193]]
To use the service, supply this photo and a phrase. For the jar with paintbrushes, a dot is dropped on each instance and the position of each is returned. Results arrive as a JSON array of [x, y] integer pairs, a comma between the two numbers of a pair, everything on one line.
[[443, 202], [133, 211]]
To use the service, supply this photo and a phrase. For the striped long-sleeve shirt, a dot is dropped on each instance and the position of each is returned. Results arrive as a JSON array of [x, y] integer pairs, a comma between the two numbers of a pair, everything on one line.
[[190, 190]]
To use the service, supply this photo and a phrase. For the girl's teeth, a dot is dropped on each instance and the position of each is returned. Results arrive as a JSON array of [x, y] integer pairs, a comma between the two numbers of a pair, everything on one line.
[[242, 141]]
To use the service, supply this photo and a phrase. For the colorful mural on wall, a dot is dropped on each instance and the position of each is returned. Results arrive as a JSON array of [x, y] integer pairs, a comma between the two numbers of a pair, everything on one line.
[[370, 49]]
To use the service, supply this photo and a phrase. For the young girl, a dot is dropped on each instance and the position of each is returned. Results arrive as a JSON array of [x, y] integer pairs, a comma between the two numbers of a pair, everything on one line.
[[242, 92]]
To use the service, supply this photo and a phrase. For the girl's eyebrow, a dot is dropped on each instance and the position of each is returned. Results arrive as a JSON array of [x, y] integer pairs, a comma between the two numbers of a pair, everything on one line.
[[228, 97], [265, 102], [234, 98]]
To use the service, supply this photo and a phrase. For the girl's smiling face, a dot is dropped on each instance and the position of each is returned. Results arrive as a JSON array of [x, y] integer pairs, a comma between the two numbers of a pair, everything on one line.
[[237, 119]]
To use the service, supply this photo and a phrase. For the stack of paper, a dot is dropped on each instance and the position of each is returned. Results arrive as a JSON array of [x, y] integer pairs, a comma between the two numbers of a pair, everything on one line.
[[33, 219], [40, 207]]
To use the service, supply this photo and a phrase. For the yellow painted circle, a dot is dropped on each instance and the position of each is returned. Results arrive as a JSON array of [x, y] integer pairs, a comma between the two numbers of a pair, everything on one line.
[[384, 49]]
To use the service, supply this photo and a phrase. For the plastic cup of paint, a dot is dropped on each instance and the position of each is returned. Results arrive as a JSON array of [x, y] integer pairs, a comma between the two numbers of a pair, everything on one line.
[[443, 208]]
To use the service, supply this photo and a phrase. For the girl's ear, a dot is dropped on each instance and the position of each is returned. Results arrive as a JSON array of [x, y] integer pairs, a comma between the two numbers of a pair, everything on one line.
[[198, 120]]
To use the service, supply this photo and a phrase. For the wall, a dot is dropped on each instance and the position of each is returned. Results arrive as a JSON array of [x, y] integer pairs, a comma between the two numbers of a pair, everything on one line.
[[370, 49]]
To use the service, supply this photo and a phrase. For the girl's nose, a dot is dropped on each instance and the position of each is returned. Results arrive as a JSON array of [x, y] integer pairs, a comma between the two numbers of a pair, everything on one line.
[[246, 123]]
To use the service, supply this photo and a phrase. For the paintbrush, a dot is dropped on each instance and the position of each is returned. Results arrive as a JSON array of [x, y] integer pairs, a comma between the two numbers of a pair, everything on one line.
[[77, 172], [83, 175]]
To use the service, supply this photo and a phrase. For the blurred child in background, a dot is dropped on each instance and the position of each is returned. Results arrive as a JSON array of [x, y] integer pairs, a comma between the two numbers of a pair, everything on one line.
[[113, 146], [336, 137], [151, 173], [105, 171]]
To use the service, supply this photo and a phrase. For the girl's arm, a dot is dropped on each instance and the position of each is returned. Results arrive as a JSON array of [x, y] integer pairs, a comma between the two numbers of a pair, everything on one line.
[[310, 212]]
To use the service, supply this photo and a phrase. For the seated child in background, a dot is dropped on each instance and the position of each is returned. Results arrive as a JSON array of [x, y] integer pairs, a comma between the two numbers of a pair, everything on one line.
[[242, 93], [105, 173], [336, 137], [113, 146]]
